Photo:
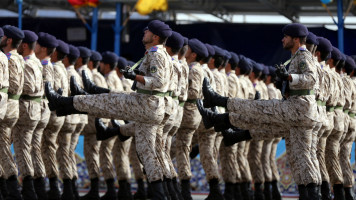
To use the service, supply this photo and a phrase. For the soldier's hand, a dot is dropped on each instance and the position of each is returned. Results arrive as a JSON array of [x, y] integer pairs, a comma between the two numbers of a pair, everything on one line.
[[282, 73], [130, 75]]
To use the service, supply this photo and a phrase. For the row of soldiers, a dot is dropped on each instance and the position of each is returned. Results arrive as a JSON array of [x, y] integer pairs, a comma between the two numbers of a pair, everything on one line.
[[162, 118]]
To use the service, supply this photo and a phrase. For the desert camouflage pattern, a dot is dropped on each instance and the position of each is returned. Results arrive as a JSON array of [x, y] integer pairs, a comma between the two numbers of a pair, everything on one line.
[[184, 82], [209, 74], [4, 83], [137, 167], [121, 159]]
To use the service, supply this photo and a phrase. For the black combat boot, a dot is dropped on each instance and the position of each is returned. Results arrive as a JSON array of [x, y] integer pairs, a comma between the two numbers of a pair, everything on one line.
[[234, 135], [13, 188], [62, 105], [349, 193], [75, 89], [67, 190], [237, 191], [326, 191], [75, 188], [40, 188], [245, 191], [90, 87], [3, 188], [185, 189], [124, 192], [177, 189], [103, 132], [276, 194], [165, 190], [211, 98], [215, 192], [258, 195], [110, 192], [53, 193], [313, 193], [141, 192], [28, 190], [93, 193], [339, 193], [195, 151], [211, 119], [229, 193], [172, 192], [267, 190], [303, 193], [158, 191]]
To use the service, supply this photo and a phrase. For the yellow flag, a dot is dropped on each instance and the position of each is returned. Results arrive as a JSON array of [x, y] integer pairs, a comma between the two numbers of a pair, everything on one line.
[[145, 7]]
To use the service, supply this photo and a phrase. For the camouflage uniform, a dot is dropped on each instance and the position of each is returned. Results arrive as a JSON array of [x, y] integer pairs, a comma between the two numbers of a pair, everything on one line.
[[297, 112], [349, 134], [328, 124], [49, 140], [105, 152], [65, 134], [346, 145], [16, 79], [333, 141], [190, 121], [115, 105], [247, 91], [269, 147], [39, 168], [207, 137], [256, 145], [4, 85], [30, 108], [229, 167], [91, 145]]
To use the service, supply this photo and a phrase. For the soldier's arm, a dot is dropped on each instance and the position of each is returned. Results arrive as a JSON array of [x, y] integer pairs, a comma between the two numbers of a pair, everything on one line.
[[194, 84], [307, 78], [3, 66], [29, 80], [158, 73], [14, 74]]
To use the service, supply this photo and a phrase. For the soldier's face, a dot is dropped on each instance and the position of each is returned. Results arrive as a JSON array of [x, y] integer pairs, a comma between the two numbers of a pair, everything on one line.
[[288, 42], [37, 49], [3, 42], [20, 49], [147, 37]]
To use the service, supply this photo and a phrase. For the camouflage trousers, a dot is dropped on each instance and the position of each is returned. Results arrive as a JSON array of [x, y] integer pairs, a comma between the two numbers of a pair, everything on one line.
[[254, 159], [243, 162], [91, 153], [324, 133], [274, 168], [137, 167], [190, 123], [332, 149], [6, 160], [121, 159], [206, 141], [218, 140], [230, 170], [106, 158], [266, 159], [37, 160], [49, 144], [63, 151], [22, 136], [141, 108], [299, 115], [345, 153], [73, 145], [169, 130]]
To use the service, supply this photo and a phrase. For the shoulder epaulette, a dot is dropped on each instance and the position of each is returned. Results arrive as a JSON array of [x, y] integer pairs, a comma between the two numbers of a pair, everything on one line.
[[154, 49], [44, 62], [26, 58], [8, 55]]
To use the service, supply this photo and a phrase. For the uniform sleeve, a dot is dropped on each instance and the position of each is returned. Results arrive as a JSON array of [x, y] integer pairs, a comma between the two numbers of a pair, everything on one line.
[[14, 77], [184, 83], [194, 84], [306, 79], [29, 80], [232, 87], [158, 72], [3, 66], [272, 93], [57, 82], [48, 73]]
